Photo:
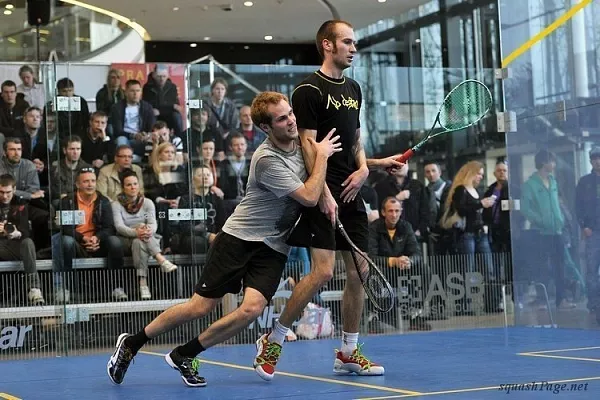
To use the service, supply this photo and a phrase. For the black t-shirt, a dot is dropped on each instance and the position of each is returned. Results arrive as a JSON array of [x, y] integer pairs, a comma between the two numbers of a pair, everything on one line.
[[322, 103]]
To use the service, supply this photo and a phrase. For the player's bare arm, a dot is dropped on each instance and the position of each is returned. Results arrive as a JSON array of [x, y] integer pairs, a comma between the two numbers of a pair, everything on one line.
[[354, 182], [308, 195], [327, 203]]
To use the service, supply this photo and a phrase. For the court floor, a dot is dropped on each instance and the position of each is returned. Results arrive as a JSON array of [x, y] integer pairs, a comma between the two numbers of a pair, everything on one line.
[[470, 364]]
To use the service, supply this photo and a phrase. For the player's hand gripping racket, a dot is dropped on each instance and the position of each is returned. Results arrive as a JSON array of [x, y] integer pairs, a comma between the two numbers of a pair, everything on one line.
[[377, 288], [464, 106]]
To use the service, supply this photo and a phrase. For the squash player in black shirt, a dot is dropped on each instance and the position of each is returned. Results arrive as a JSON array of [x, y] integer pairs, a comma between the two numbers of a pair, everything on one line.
[[325, 100]]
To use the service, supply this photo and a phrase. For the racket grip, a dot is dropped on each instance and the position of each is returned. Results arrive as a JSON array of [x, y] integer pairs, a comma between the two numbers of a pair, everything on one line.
[[403, 158]]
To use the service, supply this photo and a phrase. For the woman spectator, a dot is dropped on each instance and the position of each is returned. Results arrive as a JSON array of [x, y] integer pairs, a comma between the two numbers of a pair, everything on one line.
[[164, 184], [197, 235], [111, 93], [463, 214], [135, 223]]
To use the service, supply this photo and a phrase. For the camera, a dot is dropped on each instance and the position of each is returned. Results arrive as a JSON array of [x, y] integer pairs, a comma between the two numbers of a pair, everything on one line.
[[9, 228]]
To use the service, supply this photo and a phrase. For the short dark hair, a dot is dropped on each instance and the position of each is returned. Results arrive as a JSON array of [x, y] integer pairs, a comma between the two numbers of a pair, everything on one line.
[[69, 140], [236, 135], [14, 140], [97, 114], [327, 31], [8, 83], [65, 83], [158, 125], [30, 109], [544, 156], [132, 82], [7, 180], [390, 199], [126, 173]]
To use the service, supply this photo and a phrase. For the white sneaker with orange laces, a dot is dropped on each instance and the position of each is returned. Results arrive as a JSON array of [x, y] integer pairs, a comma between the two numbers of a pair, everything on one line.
[[356, 363]]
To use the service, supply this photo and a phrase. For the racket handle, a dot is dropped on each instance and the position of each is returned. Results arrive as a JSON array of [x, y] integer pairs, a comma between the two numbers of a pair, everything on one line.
[[403, 158]]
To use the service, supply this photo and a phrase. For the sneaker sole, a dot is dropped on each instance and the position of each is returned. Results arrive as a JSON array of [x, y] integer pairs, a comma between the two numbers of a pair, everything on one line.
[[339, 368], [113, 358], [172, 365], [257, 367]]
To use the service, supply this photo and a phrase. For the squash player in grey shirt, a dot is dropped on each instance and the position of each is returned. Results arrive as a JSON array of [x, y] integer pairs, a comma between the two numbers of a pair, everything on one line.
[[250, 252]]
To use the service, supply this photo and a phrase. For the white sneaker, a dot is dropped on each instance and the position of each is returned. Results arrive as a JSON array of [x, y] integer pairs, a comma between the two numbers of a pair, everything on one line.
[[167, 266], [145, 293], [35, 296], [119, 294], [62, 296]]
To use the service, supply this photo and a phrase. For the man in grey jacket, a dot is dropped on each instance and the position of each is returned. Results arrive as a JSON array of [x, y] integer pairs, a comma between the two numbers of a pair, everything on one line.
[[24, 171]]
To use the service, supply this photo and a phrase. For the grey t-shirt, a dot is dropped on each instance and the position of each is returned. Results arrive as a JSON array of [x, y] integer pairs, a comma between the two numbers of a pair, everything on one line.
[[267, 214]]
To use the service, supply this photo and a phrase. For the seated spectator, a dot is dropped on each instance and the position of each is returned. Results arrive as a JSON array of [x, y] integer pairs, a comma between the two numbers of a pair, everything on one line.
[[200, 132], [132, 119], [33, 143], [196, 236], [111, 93], [223, 115], [33, 92], [414, 198], [71, 122], [162, 134], [94, 238], [165, 183], [96, 146], [135, 222], [12, 109], [394, 240], [24, 171], [50, 130], [253, 134], [233, 171], [207, 151], [162, 95], [15, 237], [109, 180], [64, 173]]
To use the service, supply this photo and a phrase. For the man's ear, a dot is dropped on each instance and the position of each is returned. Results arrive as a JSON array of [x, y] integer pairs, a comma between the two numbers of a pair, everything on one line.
[[266, 128]]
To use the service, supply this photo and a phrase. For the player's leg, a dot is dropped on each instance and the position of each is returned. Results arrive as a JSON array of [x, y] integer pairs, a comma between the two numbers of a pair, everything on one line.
[[350, 359]]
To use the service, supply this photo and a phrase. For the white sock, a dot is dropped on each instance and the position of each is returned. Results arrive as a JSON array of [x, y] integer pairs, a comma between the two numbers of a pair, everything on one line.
[[278, 334], [349, 342]]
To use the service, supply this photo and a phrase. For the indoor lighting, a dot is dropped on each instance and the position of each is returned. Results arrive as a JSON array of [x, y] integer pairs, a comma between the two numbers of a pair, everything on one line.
[[206, 37], [9, 6], [175, 8], [193, 44], [248, 3], [381, 1], [268, 37], [7, 12]]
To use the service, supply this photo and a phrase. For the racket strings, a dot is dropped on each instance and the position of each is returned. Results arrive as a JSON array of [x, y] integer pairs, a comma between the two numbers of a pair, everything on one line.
[[465, 105]]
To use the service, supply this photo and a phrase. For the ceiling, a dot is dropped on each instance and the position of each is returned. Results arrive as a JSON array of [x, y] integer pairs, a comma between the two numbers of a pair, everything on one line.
[[288, 21]]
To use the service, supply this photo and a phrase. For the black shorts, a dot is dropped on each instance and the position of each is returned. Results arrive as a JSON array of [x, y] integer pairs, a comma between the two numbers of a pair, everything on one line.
[[233, 263], [314, 229]]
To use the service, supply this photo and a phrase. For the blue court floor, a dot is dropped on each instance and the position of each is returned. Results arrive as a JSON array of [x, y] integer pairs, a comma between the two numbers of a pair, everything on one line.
[[451, 364]]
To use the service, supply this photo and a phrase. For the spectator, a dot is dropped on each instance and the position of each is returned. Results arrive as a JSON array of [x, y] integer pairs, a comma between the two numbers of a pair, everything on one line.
[[162, 95], [33, 92], [71, 122], [109, 178], [111, 93], [541, 206], [15, 237], [200, 132], [132, 119], [94, 238], [587, 208], [135, 222], [67, 169], [254, 135], [497, 219], [223, 115], [393, 240], [413, 196], [233, 172], [12, 109], [162, 134], [96, 146], [23, 171], [196, 236], [33, 143], [441, 240]]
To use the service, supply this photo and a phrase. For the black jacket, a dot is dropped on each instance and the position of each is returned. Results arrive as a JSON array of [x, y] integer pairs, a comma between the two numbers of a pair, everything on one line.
[[503, 227], [163, 100], [102, 218], [17, 214], [586, 202], [11, 120], [69, 122], [105, 102], [117, 118], [404, 242]]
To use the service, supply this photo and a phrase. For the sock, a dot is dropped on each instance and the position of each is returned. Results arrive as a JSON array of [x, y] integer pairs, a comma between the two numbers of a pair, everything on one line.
[[349, 342], [137, 341], [191, 349], [278, 334]]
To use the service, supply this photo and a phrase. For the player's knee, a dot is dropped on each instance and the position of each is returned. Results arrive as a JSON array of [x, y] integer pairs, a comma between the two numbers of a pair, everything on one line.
[[199, 306], [323, 275], [251, 310]]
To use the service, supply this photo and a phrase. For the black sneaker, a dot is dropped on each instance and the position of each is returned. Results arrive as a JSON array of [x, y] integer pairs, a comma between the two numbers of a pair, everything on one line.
[[120, 360], [187, 367]]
